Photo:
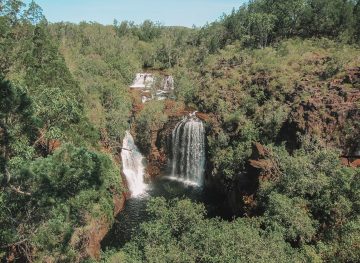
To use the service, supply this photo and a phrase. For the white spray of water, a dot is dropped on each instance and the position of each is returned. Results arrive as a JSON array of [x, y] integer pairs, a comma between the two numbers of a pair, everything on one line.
[[143, 81], [188, 146], [133, 166]]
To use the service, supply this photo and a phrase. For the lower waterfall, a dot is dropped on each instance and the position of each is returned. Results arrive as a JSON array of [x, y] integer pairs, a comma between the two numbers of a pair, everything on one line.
[[188, 150], [133, 166]]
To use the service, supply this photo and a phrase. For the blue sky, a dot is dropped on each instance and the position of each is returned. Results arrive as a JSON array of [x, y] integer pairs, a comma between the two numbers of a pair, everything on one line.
[[168, 12]]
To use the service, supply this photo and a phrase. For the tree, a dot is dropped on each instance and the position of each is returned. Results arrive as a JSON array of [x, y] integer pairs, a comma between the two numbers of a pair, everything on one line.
[[290, 217], [125, 28], [213, 36], [179, 232], [328, 18], [67, 190], [116, 103], [312, 198], [16, 125], [289, 15], [12, 10], [34, 13], [261, 26], [149, 30]]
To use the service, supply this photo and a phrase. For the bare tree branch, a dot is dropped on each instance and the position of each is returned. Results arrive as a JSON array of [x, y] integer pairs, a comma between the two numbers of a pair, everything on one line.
[[18, 190], [15, 244]]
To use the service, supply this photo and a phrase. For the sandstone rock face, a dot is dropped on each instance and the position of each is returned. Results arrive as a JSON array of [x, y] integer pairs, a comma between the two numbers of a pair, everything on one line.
[[351, 162], [161, 141], [87, 239], [355, 163], [161, 152], [265, 165]]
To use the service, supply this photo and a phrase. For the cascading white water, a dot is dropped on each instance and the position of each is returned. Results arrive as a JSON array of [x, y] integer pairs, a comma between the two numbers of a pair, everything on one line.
[[168, 83], [188, 150], [133, 166], [143, 81]]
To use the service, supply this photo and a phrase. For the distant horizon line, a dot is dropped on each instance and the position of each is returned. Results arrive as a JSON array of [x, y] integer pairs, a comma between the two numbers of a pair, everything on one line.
[[105, 24]]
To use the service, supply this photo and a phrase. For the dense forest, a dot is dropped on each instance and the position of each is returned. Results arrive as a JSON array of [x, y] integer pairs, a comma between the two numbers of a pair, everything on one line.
[[278, 82]]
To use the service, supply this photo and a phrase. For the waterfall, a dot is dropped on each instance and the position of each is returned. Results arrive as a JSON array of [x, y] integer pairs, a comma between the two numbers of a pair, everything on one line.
[[143, 81], [168, 83], [188, 150], [133, 165]]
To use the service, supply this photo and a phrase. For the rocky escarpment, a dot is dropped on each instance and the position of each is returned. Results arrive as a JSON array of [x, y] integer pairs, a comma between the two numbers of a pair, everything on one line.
[[330, 111], [87, 240], [159, 140], [315, 104], [313, 96]]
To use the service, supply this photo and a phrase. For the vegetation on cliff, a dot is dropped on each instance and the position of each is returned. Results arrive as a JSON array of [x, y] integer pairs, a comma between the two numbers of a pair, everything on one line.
[[281, 73], [306, 210]]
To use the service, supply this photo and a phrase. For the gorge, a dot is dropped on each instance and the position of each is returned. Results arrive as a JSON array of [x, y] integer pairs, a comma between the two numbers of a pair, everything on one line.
[[183, 177]]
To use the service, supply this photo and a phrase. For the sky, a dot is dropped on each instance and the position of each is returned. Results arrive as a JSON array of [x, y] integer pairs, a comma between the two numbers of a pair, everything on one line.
[[169, 12]]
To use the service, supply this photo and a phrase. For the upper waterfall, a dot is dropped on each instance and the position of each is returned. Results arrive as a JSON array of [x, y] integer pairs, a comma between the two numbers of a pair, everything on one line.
[[133, 165], [188, 150]]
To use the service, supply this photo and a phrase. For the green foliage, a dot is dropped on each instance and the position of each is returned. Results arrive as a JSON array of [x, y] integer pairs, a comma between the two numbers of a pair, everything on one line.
[[179, 232], [289, 217], [313, 200], [32, 60], [252, 91], [34, 13], [229, 157], [67, 190], [147, 31], [116, 103], [261, 25], [48, 198], [111, 256], [186, 87], [357, 21], [104, 66], [67, 172], [300, 221], [261, 22], [17, 128]]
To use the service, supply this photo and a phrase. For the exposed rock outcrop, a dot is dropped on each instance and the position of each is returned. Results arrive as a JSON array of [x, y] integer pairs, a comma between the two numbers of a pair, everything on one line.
[[351, 162], [262, 163], [160, 138], [87, 239], [330, 111]]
